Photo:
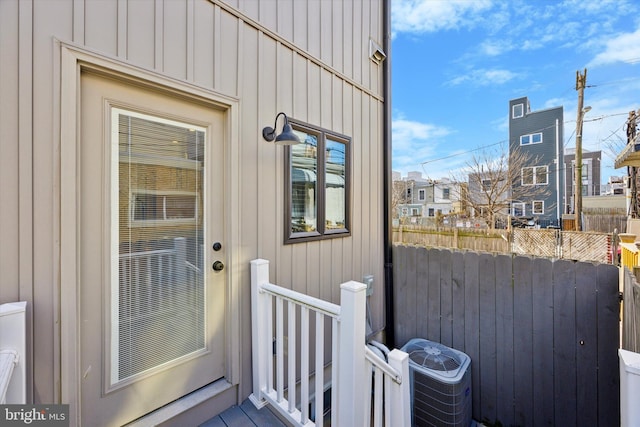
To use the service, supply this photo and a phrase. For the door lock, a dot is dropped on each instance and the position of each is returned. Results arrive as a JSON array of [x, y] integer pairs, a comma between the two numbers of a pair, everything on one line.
[[217, 246], [218, 266]]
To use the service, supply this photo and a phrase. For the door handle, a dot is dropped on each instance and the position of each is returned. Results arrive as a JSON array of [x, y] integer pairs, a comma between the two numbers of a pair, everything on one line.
[[218, 266]]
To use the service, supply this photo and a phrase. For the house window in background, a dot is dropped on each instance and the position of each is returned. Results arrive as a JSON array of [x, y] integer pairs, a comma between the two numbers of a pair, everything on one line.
[[446, 193], [534, 138], [517, 209], [537, 207], [421, 194], [318, 185], [535, 175], [486, 185]]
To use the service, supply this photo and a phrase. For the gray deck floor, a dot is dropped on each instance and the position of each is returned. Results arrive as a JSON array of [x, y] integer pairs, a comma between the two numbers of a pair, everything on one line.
[[245, 415]]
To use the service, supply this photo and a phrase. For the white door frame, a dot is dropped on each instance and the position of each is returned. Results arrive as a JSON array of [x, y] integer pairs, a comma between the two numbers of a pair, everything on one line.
[[72, 60]]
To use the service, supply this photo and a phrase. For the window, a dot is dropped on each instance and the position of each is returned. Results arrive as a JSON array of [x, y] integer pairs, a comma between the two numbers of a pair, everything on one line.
[[486, 185], [517, 209], [518, 111], [150, 206], [535, 175], [431, 212], [537, 207], [318, 186], [446, 193], [415, 212], [534, 138], [421, 194]]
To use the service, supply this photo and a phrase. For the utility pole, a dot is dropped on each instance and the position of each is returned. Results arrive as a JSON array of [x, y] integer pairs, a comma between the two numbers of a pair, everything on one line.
[[581, 82]]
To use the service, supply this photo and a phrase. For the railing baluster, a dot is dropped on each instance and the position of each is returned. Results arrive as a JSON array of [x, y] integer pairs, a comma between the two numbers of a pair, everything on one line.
[[319, 397], [270, 342], [304, 364], [334, 370], [377, 396], [280, 349], [291, 355], [370, 369]]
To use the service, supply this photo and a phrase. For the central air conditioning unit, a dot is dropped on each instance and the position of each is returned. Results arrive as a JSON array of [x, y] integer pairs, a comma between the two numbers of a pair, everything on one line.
[[440, 379]]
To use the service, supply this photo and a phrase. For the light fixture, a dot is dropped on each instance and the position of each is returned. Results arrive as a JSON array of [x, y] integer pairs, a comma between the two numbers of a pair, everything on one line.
[[287, 137], [586, 109]]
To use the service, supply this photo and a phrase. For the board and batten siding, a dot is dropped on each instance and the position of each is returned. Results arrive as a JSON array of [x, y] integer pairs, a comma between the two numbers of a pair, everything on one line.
[[309, 59]]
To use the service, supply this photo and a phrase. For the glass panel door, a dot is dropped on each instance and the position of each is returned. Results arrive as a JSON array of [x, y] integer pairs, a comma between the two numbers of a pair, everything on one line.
[[157, 285]]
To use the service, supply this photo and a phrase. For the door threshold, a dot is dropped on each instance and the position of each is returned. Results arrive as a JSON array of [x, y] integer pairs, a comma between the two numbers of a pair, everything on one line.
[[178, 408]]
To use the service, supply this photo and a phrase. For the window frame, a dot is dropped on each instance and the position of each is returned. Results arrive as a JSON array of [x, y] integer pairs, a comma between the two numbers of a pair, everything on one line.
[[422, 194], [534, 175], [446, 193], [522, 205], [513, 111], [531, 136], [533, 207], [321, 232]]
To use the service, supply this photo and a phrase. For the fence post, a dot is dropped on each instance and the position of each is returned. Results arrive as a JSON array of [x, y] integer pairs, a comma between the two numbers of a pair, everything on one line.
[[400, 394], [351, 355], [259, 339]]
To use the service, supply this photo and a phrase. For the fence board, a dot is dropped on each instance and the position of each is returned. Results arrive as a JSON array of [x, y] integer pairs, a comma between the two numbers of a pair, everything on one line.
[[504, 338], [405, 321], [471, 320], [487, 307], [457, 293], [446, 298], [423, 267], [586, 344], [523, 340], [608, 343], [564, 343], [433, 304], [542, 318]]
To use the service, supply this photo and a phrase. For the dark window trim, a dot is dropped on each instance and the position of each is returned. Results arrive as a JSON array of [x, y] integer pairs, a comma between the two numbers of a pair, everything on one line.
[[321, 232]]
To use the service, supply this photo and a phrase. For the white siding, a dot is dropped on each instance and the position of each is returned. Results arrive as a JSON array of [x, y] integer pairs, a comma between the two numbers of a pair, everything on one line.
[[307, 58]]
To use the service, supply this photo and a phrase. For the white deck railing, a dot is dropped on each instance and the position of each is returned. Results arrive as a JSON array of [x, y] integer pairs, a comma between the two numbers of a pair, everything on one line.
[[365, 390], [13, 374]]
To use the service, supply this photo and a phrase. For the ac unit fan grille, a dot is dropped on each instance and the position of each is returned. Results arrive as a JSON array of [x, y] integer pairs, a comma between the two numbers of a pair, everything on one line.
[[437, 358]]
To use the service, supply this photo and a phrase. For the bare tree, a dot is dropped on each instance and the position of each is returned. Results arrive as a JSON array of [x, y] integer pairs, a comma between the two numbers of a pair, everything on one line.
[[399, 196], [497, 178]]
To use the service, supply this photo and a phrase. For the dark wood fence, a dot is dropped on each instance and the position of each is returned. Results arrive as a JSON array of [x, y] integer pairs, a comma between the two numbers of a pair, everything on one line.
[[542, 334]]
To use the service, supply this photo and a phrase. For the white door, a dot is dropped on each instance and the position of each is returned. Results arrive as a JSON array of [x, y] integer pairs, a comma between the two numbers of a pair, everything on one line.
[[152, 307]]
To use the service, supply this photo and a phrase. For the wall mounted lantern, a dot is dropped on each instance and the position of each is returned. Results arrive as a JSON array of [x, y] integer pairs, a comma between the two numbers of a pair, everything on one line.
[[287, 137]]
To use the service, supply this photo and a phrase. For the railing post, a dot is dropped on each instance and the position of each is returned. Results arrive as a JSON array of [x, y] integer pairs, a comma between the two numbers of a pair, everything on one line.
[[180, 246], [351, 354], [400, 394], [13, 337], [259, 339]]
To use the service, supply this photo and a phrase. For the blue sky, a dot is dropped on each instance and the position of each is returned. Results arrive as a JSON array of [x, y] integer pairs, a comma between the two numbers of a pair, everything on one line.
[[457, 63]]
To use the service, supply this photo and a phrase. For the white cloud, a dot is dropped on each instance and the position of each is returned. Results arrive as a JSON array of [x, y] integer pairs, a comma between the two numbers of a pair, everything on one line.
[[414, 142], [425, 16], [620, 48], [485, 77]]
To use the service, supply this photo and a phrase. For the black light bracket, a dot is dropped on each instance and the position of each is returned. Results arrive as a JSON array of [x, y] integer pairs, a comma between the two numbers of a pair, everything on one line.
[[287, 137]]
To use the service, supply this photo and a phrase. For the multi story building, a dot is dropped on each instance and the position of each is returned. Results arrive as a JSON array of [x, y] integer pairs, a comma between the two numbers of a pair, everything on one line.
[[590, 176], [415, 196], [536, 150]]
